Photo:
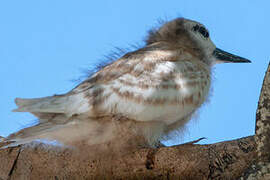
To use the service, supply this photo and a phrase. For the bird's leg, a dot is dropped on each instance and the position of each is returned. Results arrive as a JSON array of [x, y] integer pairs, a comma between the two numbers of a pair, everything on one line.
[[195, 141]]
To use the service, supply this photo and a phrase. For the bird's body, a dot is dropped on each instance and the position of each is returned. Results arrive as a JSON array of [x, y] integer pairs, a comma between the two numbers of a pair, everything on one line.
[[151, 88], [163, 83]]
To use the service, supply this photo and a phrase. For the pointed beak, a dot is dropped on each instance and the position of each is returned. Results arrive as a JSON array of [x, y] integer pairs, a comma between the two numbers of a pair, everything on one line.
[[228, 57]]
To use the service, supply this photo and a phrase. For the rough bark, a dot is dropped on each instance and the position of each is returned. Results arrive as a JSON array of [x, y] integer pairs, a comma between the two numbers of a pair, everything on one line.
[[247, 157], [261, 169], [263, 120]]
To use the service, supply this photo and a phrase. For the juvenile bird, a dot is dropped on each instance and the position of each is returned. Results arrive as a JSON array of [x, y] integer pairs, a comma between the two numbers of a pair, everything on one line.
[[156, 89]]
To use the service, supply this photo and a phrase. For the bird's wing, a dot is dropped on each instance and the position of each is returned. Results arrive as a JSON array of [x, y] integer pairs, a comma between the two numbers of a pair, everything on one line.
[[81, 99]]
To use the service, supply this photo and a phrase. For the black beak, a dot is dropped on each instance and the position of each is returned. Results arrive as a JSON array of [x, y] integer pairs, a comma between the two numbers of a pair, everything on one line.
[[228, 57]]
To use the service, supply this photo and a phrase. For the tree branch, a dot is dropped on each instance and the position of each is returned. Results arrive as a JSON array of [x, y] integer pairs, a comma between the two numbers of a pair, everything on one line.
[[221, 160]]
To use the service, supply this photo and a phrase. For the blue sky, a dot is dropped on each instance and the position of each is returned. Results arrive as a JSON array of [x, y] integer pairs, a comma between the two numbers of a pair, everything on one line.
[[46, 44]]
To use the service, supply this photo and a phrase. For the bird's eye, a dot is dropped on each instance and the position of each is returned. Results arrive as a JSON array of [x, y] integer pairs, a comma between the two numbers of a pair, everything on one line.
[[204, 32], [196, 28], [201, 30]]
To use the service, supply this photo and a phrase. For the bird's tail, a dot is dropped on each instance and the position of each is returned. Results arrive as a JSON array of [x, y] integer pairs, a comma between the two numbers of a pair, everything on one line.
[[55, 104], [47, 108]]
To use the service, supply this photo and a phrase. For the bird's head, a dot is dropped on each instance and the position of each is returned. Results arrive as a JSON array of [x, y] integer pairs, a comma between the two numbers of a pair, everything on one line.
[[195, 38]]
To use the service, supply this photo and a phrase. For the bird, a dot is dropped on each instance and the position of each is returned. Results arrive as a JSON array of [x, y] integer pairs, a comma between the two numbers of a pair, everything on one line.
[[150, 92]]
